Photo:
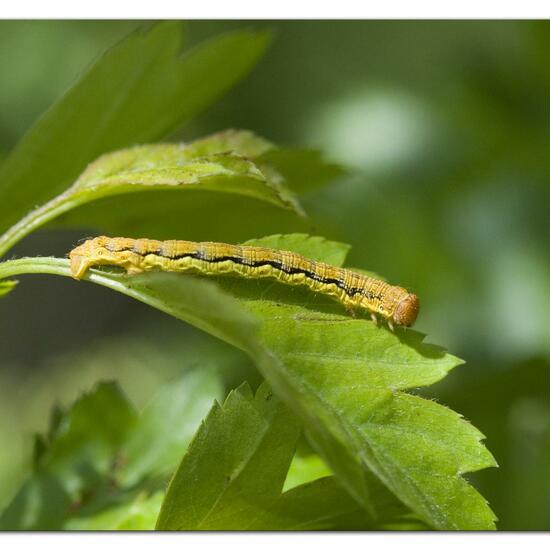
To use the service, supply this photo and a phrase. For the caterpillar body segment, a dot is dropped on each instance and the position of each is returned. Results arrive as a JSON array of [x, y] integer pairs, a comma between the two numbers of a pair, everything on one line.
[[354, 290]]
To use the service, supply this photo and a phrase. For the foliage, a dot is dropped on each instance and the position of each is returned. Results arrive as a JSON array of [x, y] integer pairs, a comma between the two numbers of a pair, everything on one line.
[[139, 91], [398, 459], [233, 473], [87, 472]]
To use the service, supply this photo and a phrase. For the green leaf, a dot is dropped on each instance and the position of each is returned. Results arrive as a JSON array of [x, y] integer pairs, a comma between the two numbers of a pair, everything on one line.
[[324, 504], [304, 469], [207, 216], [104, 475], [235, 466], [207, 164], [139, 514], [344, 375], [69, 444], [137, 92], [302, 169], [6, 287], [316, 248], [204, 165], [233, 473], [74, 462], [164, 429], [417, 448]]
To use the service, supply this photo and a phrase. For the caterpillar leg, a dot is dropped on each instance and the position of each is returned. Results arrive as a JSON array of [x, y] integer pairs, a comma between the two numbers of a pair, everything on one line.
[[352, 312], [133, 270], [390, 324], [374, 318]]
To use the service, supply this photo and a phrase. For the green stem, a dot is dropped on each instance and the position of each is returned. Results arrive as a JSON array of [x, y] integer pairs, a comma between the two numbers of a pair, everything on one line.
[[60, 266], [114, 281], [52, 266], [35, 219]]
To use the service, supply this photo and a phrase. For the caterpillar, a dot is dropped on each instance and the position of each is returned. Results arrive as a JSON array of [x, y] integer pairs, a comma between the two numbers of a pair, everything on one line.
[[354, 290]]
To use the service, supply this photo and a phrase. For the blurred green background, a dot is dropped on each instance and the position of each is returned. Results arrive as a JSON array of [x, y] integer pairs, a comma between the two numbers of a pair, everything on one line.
[[444, 128]]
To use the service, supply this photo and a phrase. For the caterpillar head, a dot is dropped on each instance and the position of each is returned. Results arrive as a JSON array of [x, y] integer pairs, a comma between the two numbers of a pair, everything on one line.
[[406, 311], [89, 253]]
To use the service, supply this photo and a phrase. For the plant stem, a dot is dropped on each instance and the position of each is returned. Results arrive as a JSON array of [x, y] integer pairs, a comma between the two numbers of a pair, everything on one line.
[[52, 266], [35, 219], [60, 266]]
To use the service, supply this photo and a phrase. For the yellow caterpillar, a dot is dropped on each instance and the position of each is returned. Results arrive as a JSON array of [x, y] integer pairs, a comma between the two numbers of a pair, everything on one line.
[[353, 290]]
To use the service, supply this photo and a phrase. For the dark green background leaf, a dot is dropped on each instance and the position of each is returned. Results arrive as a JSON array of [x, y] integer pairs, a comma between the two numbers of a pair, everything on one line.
[[137, 92], [74, 463], [102, 465], [166, 426]]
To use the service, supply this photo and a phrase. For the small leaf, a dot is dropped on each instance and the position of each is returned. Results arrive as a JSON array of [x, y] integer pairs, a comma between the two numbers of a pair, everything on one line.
[[304, 469], [167, 167], [76, 435], [206, 164], [315, 248], [159, 214], [74, 462], [235, 466], [137, 92], [6, 287]]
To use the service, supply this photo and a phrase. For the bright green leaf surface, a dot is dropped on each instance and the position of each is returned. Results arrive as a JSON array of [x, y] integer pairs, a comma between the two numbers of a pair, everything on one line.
[[344, 375], [235, 466], [220, 162], [137, 92], [304, 469], [416, 447]]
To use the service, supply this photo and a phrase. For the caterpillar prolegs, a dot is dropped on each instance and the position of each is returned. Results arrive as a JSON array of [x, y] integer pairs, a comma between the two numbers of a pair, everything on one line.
[[354, 290]]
